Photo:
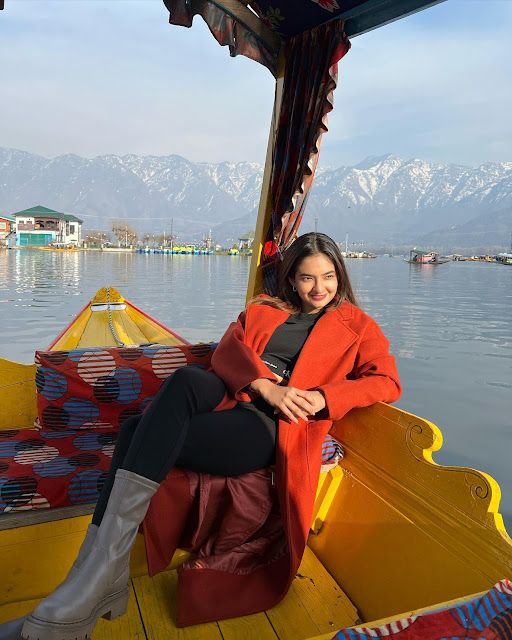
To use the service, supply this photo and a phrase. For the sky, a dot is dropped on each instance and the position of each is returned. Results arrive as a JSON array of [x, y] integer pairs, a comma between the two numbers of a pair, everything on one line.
[[94, 77]]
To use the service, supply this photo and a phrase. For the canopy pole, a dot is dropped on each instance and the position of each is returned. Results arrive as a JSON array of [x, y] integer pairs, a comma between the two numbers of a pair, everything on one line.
[[255, 282]]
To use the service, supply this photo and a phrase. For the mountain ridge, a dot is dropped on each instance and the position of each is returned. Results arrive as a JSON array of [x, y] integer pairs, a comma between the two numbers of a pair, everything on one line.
[[381, 200]]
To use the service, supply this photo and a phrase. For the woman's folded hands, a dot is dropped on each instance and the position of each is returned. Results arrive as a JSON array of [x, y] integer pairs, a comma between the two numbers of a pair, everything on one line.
[[294, 404]]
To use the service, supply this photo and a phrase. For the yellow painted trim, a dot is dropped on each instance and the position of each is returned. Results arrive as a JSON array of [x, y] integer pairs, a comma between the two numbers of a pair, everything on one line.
[[328, 485], [72, 336], [36, 558], [17, 395], [151, 331]]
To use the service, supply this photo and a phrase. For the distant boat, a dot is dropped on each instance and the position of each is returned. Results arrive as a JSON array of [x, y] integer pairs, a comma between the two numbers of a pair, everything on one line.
[[358, 254], [505, 258], [416, 256]]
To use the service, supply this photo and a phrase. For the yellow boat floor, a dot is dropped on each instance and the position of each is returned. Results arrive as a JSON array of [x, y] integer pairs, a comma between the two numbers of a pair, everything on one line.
[[314, 605]]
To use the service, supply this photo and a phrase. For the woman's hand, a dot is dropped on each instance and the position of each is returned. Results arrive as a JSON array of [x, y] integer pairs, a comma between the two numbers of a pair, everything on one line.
[[317, 399], [293, 403]]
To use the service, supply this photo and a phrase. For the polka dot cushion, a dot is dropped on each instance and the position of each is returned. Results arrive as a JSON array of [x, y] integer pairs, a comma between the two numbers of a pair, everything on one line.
[[42, 469], [98, 388]]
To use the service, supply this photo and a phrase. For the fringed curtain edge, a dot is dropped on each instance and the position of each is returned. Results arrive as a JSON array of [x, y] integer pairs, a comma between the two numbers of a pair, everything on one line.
[[227, 29], [289, 201]]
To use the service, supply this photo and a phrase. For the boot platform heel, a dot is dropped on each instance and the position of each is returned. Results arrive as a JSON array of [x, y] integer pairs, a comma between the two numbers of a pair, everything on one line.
[[112, 608], [118, 607]]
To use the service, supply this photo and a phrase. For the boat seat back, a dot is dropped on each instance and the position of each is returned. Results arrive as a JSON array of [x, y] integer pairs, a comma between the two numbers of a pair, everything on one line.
[[403, 532], [17, 395]]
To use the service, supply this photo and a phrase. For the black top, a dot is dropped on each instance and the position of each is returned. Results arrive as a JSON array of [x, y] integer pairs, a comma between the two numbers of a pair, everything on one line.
[[285, 345]]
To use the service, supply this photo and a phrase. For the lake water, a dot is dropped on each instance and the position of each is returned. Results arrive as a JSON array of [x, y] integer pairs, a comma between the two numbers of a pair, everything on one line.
[[450, 328]]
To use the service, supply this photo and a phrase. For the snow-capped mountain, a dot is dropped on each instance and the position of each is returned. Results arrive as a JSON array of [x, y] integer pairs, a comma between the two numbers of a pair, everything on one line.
[[384, 199]]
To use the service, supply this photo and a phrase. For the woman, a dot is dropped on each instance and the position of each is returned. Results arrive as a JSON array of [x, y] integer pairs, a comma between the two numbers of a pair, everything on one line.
[[281, 373]]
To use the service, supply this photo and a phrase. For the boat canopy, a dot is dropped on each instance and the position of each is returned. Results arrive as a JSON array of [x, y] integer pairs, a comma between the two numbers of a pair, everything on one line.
[[421, 252], [257, 29]]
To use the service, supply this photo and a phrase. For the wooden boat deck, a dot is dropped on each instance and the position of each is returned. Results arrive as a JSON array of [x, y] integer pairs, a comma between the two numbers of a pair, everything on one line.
[[314, 605]]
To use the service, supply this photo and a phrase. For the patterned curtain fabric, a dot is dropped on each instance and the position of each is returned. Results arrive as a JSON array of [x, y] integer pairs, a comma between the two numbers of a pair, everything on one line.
[[290, 18], [487, 617], [310, 78], [225, 29]]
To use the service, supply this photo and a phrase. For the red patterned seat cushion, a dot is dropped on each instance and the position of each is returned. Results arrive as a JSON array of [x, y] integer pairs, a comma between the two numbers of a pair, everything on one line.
[[98, 388], [42, 469], [487, 617]]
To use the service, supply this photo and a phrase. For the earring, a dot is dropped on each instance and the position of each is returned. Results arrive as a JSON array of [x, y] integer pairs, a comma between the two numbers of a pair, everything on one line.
[[294, 289]]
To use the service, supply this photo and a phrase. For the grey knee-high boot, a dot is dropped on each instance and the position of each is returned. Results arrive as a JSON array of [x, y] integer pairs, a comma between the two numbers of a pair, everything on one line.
[[85, 548], [12, 630], [100, 587]]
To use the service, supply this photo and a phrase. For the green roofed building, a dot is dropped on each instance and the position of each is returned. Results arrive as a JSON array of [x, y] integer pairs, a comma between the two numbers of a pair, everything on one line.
[[40, 226]]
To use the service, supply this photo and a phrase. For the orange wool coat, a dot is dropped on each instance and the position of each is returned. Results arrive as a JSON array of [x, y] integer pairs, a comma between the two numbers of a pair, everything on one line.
[[346, 357]]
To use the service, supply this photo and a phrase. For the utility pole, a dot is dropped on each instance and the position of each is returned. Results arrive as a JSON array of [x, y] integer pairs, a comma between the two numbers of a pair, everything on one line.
[[316, 225], [172, 235], [346, 243]]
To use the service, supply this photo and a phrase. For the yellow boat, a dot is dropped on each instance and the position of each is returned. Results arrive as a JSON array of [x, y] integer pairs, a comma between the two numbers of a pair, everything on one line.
[[71, 249], [392, 532]]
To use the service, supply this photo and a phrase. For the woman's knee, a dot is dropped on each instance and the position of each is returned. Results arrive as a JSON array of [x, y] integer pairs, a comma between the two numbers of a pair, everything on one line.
[[190, 376]]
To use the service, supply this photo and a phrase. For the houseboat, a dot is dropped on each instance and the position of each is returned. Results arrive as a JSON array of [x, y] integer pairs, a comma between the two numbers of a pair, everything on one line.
[[419, 257]]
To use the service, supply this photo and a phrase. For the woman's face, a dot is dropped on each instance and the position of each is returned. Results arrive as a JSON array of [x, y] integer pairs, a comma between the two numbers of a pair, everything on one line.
[[316, 282]]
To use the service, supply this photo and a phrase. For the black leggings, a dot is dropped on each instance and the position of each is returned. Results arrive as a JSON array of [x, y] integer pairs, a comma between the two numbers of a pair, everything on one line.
[[180, 428]]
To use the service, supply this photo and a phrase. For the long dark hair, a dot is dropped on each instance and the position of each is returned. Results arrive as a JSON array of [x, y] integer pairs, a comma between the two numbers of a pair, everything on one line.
[[309, 244]]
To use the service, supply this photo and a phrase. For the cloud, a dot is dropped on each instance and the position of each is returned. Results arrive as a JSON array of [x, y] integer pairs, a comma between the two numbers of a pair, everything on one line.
[[114, 77], [434, 89]]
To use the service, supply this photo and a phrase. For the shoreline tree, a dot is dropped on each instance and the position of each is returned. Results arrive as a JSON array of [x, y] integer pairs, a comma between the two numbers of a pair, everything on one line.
[[125, 234], [97, 238]]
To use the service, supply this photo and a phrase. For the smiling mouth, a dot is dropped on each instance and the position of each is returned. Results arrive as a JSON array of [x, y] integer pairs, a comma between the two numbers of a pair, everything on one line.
[[319, 297]]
